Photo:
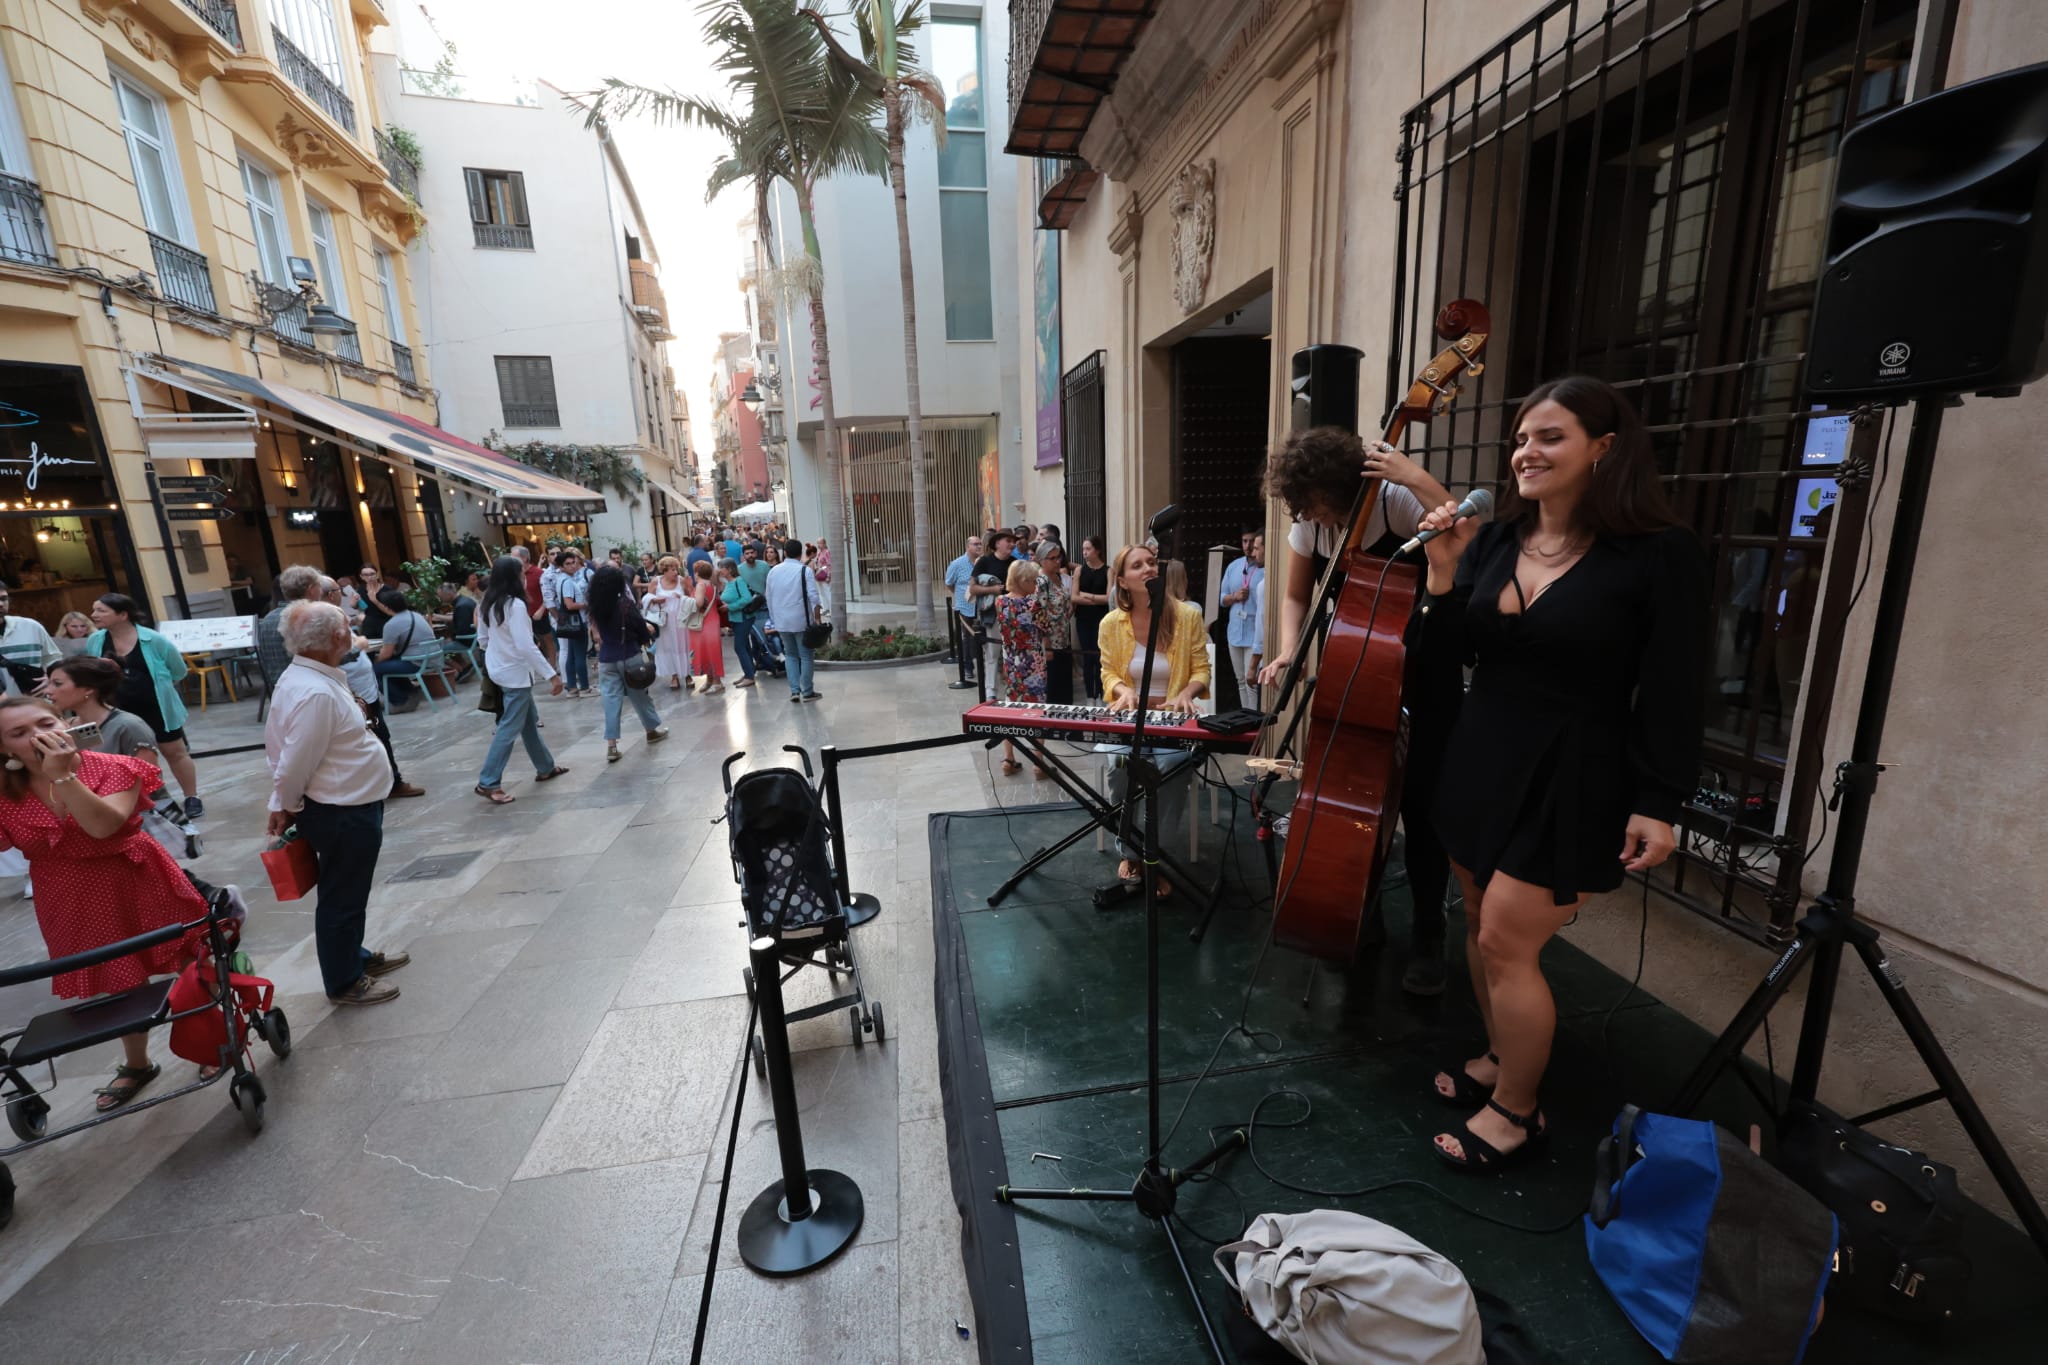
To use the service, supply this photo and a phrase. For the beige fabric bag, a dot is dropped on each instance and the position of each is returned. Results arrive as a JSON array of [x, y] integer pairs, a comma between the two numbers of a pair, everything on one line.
[[1342, 1289]]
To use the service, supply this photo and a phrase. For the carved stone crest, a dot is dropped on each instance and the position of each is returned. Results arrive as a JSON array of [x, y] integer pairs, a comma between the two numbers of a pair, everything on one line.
[[1193, 205], [308, 147]]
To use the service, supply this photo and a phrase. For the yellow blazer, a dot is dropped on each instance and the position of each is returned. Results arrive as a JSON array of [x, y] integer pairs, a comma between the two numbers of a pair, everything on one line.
[[1188, 655]]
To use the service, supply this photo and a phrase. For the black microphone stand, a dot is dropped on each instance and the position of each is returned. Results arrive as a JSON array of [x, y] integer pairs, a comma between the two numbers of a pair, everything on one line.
[[1157, 1186]]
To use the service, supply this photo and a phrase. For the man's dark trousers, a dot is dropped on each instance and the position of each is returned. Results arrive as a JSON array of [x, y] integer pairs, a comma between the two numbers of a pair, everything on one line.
[[346, 840]]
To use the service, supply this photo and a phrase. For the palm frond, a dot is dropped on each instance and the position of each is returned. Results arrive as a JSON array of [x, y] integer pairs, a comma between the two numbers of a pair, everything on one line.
[[836, 51], [625, 99]]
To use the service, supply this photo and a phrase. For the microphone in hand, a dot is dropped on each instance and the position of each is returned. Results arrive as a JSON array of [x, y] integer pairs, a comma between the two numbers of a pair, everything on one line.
[[1478, 503]]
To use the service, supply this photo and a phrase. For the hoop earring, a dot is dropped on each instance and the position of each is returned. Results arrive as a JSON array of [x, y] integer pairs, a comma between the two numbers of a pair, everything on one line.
[[1596, 466], [15, 765]]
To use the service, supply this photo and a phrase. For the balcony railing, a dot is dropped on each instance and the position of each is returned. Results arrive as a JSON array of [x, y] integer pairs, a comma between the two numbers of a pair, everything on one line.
[[290, 325], [504, 236], [349, 346], [181, 275], [303, 72], [1064, 60], [403, 170], [24, 232], [532, 415], [220, 16], [401, 361]]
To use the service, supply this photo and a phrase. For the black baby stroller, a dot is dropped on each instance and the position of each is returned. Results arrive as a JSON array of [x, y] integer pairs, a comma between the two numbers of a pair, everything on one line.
[[782, 858]]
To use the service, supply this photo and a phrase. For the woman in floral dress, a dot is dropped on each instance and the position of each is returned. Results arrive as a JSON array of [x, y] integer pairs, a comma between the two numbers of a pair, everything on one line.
[[99, 879], [1020, 616], [671, 594], [1056, 600]]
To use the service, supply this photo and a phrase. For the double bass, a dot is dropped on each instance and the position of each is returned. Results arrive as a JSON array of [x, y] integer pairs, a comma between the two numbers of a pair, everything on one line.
[[1342, 823]]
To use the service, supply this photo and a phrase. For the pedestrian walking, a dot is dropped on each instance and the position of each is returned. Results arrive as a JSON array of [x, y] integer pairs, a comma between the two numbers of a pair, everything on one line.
[[707, 652], [740, 603], [328, 777], [793, 607], [572, 622], [150, 669], [516, 665], [621, 635]]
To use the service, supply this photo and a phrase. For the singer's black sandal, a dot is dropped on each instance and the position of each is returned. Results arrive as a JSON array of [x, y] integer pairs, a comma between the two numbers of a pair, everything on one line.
[[1481, 1155], [1467, 1092]]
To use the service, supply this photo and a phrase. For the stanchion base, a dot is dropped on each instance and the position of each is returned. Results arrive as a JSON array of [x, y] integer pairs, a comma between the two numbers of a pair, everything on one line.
[[772, 1245], [860, 908]]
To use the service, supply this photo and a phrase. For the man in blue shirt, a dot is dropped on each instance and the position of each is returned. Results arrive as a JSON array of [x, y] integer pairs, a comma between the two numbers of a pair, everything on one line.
[[699, 550], [1243, 598], [960, 577], [732, 545]]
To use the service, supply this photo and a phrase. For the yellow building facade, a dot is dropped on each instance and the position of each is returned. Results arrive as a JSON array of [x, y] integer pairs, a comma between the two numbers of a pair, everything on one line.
[[193, 197]]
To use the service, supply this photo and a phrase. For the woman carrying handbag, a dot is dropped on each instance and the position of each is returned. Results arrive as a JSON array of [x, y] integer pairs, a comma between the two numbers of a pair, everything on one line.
[[621, 636], [667, 604]]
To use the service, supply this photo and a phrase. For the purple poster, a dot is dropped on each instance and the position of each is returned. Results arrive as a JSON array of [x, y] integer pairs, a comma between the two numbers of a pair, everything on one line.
[[1045, 277]]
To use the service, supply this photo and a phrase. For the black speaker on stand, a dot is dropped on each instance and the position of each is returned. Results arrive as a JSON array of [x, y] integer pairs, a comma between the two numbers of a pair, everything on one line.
[[1936, 277], [1936, 284], [1324, 387]]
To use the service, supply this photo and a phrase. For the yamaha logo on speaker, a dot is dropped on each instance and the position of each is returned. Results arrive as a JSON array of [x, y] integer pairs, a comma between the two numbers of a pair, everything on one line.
[[1893, 360]]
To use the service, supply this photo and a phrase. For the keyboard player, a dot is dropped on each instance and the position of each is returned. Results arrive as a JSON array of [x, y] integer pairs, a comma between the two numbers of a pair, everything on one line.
[[1179, 676]]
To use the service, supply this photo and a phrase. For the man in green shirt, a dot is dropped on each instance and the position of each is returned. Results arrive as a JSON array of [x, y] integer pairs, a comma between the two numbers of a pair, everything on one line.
[[767, 648]]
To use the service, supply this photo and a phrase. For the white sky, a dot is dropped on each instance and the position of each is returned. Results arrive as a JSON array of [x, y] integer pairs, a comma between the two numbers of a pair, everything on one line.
[[654, 42]]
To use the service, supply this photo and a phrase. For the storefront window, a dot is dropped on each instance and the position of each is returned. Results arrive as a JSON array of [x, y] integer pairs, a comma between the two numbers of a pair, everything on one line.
[[63, 541]]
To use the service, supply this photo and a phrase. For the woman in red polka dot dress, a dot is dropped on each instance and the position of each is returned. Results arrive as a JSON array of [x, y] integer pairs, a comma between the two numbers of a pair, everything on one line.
[[99, 878]]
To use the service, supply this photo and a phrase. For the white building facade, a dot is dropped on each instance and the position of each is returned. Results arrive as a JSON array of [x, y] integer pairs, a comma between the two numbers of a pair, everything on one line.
[[963, 209], [540, 299]]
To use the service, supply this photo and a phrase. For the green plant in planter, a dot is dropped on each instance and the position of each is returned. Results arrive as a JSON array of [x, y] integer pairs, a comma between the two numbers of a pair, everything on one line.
[[879, 642], [426, 576]]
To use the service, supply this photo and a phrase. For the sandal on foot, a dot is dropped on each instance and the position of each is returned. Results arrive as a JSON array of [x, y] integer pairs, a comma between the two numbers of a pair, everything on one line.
[[1011, 767], [550, 775], [611, 752], [127, 1083], [495, 795], [1481, 1155], [207, 1073], [1467, 1091]]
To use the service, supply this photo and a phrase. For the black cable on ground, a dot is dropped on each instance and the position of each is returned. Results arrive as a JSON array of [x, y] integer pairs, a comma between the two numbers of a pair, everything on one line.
[[732, 1146]]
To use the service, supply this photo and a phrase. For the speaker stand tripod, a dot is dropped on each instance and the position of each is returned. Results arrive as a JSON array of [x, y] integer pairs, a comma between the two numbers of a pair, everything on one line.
[[1832, 926]]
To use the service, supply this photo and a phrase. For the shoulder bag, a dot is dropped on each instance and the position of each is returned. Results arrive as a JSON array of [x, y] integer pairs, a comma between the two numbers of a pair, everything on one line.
[[816, 633], [694, 622]]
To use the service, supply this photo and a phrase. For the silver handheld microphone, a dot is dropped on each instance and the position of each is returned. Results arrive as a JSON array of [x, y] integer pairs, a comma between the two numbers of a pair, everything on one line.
[[1477, 503]]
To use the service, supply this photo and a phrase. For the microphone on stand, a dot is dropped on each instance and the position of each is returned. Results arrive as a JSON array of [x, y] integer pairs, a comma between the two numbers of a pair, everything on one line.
[[1164, 520], [1477, 503], [1155, 591]]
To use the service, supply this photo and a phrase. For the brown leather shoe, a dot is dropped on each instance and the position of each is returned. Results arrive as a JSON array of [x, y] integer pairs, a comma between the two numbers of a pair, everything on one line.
[[407, 789], [367, 991]]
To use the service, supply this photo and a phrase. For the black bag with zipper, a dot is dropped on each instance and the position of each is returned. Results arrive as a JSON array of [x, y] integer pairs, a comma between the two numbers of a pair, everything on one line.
[[1900, 1211]]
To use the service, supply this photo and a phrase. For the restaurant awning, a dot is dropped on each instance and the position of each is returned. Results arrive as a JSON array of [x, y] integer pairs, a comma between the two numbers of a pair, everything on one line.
[[521, 493]]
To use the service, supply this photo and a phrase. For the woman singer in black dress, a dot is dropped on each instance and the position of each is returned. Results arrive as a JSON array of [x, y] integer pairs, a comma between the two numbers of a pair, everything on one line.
[[1582, 612]]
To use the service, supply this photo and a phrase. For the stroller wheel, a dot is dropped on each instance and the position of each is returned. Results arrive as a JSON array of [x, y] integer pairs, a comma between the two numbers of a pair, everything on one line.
[[875, 1014], [29, 1117], [853, 1017], [247, 1094], [760, 1056], [277, 1031]]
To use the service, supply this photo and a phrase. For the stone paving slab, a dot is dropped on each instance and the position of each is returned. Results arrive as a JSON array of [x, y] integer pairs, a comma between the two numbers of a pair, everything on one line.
[[517, 1160]]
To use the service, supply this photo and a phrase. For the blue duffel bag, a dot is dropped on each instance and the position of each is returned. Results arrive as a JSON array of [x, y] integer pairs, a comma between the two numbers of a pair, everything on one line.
[[1714, 1255]]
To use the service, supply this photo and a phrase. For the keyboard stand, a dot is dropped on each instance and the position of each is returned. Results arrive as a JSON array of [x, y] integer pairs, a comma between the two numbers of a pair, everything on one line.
[[1102, 814]]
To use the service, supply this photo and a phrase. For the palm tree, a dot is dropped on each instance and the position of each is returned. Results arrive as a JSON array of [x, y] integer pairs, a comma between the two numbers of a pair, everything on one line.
[[806, 118], [891, 73]]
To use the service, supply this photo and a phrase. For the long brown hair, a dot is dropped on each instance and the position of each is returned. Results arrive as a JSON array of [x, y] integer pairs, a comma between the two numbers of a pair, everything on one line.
[[1121, 597], [14, 781], [1624, 497]]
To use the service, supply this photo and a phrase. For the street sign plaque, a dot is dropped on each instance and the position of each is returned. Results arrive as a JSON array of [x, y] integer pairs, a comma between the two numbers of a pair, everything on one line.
[[200, 513]]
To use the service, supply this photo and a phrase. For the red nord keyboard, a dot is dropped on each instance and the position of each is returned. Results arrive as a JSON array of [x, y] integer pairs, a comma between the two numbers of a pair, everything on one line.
[[1093, 725]]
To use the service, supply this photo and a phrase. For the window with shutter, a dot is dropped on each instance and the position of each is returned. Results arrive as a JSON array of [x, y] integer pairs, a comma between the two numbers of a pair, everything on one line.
[[497, 209], [526, 390]]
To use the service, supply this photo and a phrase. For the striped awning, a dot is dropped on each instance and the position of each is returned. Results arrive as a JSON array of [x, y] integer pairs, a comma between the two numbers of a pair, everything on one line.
[[519, 492]]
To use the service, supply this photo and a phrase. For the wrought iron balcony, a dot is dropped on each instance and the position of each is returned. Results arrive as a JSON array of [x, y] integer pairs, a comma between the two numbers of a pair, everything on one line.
[[403, 170], [401, 361], [1064, 60], [532, 415], [349, 346], [24, 232], [290, 325], [220, 16], [504, 236], [303, 72], [1061, 186], [181, 275]]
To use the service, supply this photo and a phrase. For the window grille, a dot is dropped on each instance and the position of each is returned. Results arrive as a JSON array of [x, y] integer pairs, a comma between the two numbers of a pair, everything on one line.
[[497, 209], [526, 390], [1637, 189]]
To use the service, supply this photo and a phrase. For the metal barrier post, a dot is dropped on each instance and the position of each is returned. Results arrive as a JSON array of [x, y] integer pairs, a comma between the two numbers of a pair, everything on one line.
[[860, 907]]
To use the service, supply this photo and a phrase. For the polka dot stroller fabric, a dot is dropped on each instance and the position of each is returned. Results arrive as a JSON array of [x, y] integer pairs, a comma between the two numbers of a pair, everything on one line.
[[781, 853]]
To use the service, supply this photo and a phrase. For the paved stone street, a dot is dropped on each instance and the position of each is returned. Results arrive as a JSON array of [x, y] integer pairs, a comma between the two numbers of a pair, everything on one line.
[[517, 1160]]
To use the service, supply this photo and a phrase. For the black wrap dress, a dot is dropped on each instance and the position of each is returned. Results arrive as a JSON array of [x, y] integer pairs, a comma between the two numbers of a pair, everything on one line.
[[1584, 710]]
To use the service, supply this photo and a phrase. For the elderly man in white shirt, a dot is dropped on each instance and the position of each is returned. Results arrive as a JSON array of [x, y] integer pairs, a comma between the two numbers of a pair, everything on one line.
[[794, 602], [329, 776]]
